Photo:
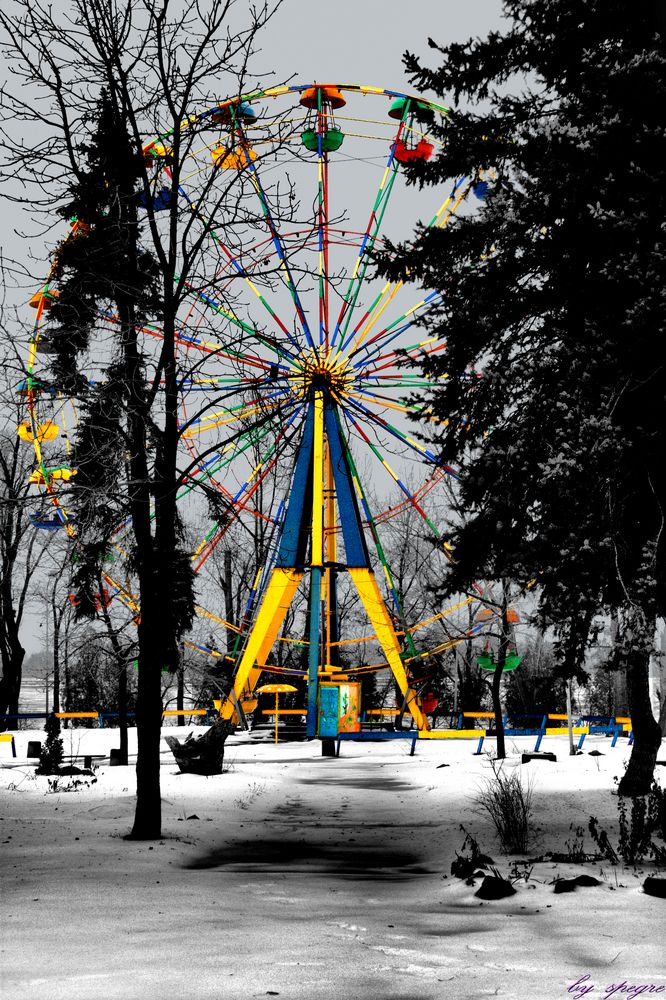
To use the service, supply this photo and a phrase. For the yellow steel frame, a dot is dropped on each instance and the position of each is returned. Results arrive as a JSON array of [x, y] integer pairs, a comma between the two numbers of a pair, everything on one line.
[[376, 610], [283, 584], [279, 595]]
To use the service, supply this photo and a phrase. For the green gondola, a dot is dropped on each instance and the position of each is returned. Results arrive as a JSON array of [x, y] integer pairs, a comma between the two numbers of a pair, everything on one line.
[[486, 662], [330, 140]]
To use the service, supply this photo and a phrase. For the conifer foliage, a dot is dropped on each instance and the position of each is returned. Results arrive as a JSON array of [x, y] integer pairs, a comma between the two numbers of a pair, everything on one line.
[[554, 314], [120, 453], [104, 266], [51, 754]]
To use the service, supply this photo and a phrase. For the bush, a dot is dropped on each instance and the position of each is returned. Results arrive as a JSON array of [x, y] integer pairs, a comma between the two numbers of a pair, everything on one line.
[[508, 802], [50, 756], [638, 826]]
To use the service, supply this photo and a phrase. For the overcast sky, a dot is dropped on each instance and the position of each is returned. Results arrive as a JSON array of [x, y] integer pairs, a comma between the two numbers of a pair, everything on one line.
[[362, 41]]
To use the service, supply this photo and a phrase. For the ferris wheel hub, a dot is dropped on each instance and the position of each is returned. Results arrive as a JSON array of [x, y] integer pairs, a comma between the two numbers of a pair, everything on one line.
[[327, 375]]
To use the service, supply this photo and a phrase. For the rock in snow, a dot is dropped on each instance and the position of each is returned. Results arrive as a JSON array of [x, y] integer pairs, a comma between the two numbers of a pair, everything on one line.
[[654, 886], [493, 887]]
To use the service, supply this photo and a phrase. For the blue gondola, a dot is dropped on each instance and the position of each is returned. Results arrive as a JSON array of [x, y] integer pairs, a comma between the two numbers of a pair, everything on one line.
[[46, 523], [161, 201]]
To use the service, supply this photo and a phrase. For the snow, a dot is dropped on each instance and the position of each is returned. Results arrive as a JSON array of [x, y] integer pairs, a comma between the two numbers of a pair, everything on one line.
[[302, 876]]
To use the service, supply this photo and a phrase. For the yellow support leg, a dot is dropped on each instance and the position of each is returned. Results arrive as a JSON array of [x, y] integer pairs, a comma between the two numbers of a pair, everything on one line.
[[318, 482], [277, 599], [330, 556], [368, 590]]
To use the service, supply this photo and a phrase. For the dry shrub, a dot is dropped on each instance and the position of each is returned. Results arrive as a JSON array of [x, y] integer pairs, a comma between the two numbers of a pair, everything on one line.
[[508, 802]]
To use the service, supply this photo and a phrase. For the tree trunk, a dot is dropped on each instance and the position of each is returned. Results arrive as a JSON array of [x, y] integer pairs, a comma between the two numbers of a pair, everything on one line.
[[497, 706], [122, 713], [638, 777], [10, 683], [148, 815], [503, 649], [68, 676], [157, 637], [572, 748], [11, 652], [180, 691], [203, 754], [56, 658], [121, 663], [151, 626]]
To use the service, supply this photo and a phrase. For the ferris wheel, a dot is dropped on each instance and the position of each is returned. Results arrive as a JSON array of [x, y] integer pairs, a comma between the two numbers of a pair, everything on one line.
[[292, 355]]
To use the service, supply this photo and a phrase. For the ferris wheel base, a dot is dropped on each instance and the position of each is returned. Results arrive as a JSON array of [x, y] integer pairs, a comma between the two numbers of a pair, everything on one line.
[[322, 480]]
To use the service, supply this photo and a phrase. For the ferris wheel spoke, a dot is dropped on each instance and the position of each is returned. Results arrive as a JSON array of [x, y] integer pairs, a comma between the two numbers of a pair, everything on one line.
[[445, 212], [206, 347], [394, 476], [367, 243], [438, 478], [218, 531], [403, 437], [200, 474], [379, 548], [322, 227], [245, 492], [389, 333], [377, 398], [241, 272], [220, 418], [189, 385], [216, 460], [288, 277], [247, 328], [261, 579], [212, 347], [405, 352]]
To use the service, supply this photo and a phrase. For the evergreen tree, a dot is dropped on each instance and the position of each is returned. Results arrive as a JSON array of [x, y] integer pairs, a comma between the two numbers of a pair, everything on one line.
[[555, 291], [124, 459], [50, 755]]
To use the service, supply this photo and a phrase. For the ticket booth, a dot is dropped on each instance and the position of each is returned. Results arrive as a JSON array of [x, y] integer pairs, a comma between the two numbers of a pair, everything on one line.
[[339, 708]]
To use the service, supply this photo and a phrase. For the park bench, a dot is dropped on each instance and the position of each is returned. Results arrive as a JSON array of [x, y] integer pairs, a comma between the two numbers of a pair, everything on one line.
[[376, 736], [583, 726], [476, 715], [87, 758], [376, 719], [596, 724], [623, 724], [292, 730]]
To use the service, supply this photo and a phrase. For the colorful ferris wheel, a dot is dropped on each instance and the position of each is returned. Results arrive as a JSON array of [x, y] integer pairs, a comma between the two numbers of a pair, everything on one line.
[[292, 356]]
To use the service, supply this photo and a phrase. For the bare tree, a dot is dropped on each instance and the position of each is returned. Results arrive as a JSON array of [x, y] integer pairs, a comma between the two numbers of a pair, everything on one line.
[[21, 549], [111, 74]]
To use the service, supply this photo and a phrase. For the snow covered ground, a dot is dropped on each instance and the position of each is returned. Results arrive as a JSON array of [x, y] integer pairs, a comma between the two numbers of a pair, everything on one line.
[[309, 877]]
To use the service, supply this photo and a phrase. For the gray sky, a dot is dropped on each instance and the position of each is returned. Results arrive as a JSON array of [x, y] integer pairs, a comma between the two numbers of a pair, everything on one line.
[[362, 41]]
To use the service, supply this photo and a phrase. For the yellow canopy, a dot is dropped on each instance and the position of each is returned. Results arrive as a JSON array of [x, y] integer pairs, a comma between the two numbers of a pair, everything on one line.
[[275, 689], [45, 432]]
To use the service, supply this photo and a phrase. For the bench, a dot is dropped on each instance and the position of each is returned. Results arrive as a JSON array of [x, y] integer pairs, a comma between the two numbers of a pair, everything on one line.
[[101, 716], [87, 758], [484, 732], [375, 736], [587, 724], [583, 725], [609, 726]]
